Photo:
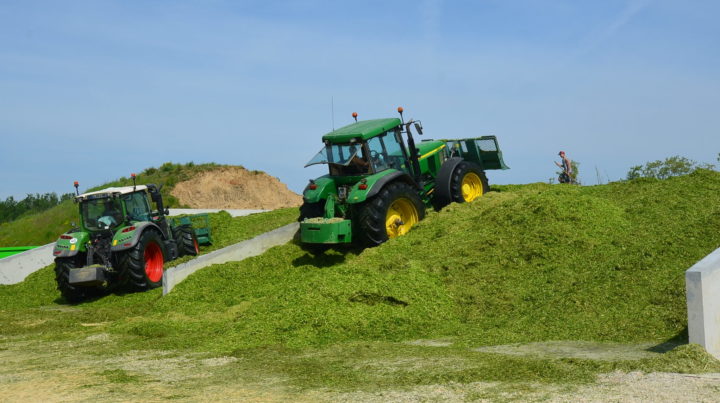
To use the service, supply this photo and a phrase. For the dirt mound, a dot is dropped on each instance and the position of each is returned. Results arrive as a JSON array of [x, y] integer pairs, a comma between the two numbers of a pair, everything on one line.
[[237, 188]]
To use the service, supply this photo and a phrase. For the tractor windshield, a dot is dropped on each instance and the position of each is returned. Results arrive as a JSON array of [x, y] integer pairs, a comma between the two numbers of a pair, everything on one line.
[[102, 213], [340, 154]]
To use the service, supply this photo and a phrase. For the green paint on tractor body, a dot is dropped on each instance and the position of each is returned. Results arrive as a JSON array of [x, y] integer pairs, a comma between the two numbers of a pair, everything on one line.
[[326, 231], [380, 181]]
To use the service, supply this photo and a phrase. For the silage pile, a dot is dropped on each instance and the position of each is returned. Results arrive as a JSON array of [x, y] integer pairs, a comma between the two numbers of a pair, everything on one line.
[[526, 263]]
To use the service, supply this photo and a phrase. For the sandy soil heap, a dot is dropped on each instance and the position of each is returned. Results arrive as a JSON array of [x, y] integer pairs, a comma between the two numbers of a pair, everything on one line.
[[237, 188]]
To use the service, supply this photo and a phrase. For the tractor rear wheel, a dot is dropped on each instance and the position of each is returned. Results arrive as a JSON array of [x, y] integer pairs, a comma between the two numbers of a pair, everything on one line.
[[141, 267], [395, 209], [72, 293], [186, 240], [466, 183]]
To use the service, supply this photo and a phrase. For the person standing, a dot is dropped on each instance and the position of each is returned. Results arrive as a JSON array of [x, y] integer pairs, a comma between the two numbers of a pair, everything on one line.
[[566, 165]]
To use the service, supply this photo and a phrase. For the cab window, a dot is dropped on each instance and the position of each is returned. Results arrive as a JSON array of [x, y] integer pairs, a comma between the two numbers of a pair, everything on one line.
[[137, 206]]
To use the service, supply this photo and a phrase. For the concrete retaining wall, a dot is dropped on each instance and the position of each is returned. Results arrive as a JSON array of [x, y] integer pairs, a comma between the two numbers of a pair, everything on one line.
[[237, 252], [233, 212], [702, 283], [16, 268]]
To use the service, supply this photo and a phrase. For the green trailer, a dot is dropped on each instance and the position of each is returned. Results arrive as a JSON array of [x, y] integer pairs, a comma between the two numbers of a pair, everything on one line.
[[380, 181]]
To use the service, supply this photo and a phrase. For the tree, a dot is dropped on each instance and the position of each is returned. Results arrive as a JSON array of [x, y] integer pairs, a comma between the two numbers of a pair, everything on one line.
[[672, 166], [11, 209]]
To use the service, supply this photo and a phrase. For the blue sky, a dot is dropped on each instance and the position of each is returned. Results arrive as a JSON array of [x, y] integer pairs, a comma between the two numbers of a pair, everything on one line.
[[95, 90]]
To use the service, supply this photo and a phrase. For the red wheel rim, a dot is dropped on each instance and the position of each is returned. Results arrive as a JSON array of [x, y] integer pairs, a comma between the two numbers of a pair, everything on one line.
[[153, 262], [197, 248]]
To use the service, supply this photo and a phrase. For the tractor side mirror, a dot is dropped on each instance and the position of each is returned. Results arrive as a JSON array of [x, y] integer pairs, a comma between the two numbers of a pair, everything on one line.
[[167, 211], [418, 127]]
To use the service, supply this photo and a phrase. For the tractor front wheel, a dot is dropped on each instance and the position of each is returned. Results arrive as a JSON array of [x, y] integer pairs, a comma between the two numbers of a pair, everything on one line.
[[390, 214], [72, 293], [186, 240], [141, 267]]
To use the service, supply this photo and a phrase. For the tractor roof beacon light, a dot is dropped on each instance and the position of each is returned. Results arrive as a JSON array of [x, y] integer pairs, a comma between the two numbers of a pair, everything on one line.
[[354, 115], [76, 184], [400, 111], [133, 178]]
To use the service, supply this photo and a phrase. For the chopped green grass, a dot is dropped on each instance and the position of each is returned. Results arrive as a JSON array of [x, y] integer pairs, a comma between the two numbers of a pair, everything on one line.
[[524, 264]]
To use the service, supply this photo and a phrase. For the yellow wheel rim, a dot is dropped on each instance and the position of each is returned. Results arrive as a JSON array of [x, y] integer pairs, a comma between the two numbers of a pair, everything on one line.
[[401, 216], [471, 187]]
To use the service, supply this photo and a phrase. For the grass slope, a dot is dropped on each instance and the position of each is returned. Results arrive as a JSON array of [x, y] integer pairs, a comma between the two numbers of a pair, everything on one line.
[[45, 227], [530, 263], [526, 263]]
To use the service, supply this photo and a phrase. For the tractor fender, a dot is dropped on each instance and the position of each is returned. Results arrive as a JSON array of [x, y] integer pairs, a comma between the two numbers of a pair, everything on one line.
[[398, 175], [73, 243], [324, 187], [442, 181], [126, 240]]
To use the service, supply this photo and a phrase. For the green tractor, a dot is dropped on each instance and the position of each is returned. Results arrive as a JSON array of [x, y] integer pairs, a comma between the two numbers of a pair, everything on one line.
[[380, 183], [121, 242]]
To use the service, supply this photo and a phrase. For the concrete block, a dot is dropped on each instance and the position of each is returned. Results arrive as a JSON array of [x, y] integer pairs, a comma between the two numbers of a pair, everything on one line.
[[236, 252], [702, 285], [16, 268]]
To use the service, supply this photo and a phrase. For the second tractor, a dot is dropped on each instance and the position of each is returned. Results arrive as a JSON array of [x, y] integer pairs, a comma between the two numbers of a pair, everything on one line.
[[121, 242], [380, 181]]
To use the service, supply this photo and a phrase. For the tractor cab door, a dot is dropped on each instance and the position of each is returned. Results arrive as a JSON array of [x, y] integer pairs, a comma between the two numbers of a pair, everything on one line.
[[137, 206], [386, 152]]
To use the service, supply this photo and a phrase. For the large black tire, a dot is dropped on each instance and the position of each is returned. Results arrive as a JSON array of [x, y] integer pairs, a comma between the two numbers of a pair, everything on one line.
[[186, 240], [141, 267], [71, 293], [465, 183], [311, 210], [377, 218]]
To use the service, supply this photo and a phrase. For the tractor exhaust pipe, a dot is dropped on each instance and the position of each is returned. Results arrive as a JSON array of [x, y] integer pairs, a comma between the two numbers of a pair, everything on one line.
[[414, 157]]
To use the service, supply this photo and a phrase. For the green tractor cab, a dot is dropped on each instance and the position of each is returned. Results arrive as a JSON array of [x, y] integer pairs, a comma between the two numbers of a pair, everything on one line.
[[380, 181], [122, 242]]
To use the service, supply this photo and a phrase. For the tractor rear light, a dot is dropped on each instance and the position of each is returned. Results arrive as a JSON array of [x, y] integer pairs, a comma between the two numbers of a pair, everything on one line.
[[66, 237], [127, 244], [362, 186], [312, 186], [57, 252], [128, 229]]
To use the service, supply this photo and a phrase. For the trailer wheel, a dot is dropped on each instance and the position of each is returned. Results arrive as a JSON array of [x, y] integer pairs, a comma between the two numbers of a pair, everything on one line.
[[392, 213], [186, 240], [141, 267], [311, 210], [71, 293], [466, 183]]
